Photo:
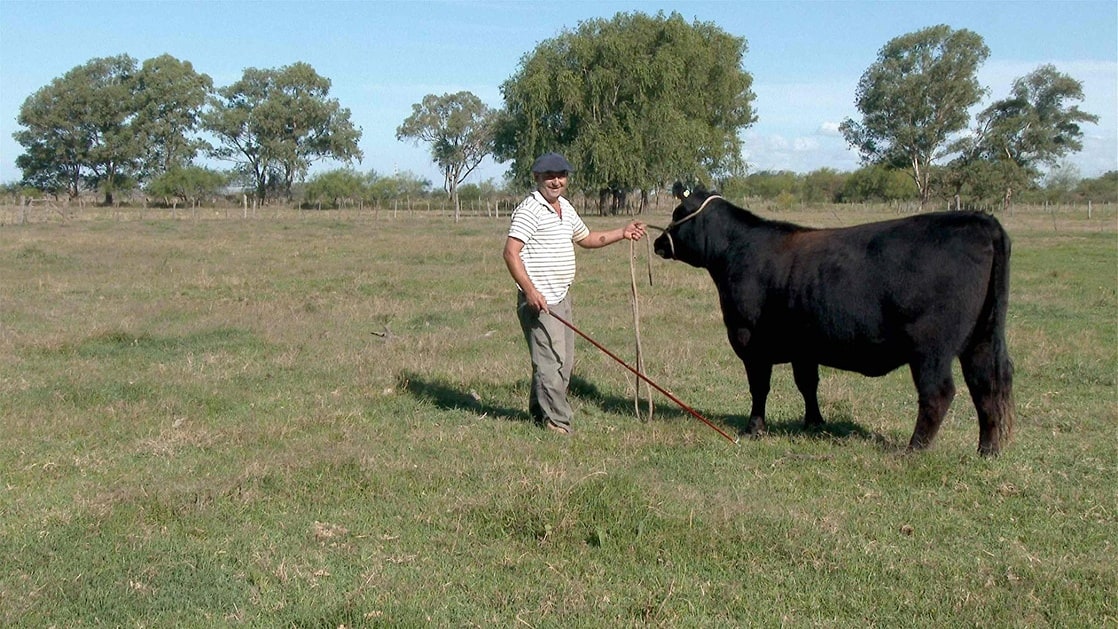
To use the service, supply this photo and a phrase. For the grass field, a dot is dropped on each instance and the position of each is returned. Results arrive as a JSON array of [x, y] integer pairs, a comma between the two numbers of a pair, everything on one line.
[[318, 419]]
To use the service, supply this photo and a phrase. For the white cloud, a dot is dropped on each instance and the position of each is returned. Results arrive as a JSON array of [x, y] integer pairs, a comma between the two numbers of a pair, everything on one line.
[[830, 129], [800, 154]]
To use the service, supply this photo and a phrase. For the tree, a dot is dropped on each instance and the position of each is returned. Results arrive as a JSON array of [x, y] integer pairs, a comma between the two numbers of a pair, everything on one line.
[[1060, 182], [1102, 189], [769, 184], [334, 186], [1015, 136], [878, 183], [186, 183], [1035, 125], [108, 124], [459, 128], [633, 103], [823, 185], [76, 129], [404, 185], [914, 97], [273, 124], [169, 100]]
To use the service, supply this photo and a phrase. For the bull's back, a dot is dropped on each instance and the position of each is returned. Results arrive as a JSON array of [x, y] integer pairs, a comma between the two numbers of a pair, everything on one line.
[[869, 298]]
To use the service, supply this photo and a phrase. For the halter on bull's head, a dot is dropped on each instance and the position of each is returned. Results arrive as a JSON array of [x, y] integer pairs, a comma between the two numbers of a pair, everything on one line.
[[691, 204]]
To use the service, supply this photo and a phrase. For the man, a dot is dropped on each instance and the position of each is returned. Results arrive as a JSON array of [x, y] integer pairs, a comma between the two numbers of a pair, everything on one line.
[[539, 253]]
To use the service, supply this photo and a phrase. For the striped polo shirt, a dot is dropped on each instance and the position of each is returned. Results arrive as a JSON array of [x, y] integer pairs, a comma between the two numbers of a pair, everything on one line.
[[549, 252]]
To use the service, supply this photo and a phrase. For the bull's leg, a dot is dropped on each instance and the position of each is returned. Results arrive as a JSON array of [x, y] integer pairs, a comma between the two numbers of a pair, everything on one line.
[[981, 374], [759, 375], [935, 389], [807, 381]]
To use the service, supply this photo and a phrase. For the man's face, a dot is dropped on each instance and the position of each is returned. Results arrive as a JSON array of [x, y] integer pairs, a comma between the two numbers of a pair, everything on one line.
[[551, 184]]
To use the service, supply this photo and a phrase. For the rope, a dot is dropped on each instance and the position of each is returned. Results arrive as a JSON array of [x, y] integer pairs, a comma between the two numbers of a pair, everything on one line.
[[636, 299], [637, 330]]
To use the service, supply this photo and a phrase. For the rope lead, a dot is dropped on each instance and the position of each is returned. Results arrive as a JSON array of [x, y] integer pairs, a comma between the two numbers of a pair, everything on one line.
[[645, 417]]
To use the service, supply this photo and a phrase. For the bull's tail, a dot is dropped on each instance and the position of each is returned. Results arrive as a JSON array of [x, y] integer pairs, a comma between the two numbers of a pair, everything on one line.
[[1002, 364], [990, 376]]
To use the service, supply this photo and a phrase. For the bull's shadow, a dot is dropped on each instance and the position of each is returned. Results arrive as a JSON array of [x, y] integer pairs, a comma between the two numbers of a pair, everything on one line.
[[838, 426]]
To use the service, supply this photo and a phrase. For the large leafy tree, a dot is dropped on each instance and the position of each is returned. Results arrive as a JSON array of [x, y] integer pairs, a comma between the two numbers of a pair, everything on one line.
[[169, 97], [633, 102], [108, 124], [459, 128], [76, 130], [273, 124], [1036, 125], [915, 97]]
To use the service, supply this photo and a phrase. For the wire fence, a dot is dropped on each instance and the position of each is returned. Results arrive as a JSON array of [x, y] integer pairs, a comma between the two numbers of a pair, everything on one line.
[[50, 210]]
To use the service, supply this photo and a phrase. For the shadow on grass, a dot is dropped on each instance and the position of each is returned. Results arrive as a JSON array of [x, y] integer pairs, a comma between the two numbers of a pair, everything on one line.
[[447, 396], [838, 429], [588, 392]]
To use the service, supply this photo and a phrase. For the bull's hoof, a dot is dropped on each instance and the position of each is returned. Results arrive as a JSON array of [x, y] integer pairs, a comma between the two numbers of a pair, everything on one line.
[[919, 442], [756, 427], [989, 450]]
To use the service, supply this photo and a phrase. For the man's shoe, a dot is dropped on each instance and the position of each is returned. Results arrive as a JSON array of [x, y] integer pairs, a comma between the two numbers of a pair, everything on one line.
[[553, 427]]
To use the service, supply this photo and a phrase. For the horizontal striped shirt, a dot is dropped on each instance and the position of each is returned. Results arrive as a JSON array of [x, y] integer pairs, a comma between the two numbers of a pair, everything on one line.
[[549, 252]]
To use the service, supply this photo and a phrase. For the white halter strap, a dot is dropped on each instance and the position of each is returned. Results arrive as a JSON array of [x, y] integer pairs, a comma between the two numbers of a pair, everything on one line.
[[673, 224]]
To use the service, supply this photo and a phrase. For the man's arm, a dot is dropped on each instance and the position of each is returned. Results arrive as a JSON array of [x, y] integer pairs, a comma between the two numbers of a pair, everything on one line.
[[632, 231], [520, 275]]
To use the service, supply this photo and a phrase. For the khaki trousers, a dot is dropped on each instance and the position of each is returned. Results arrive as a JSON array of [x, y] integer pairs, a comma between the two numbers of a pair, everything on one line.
[[551, 346]]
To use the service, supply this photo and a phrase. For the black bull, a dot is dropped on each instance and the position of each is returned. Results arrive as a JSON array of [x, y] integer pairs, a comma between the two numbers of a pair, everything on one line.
[[917, 291]]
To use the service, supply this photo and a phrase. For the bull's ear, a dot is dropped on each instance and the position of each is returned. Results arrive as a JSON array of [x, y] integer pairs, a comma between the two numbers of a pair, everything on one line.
[[679, 191]]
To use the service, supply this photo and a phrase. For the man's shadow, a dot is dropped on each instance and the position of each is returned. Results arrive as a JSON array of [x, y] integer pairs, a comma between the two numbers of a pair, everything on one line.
[[447, 396], [453, 397]]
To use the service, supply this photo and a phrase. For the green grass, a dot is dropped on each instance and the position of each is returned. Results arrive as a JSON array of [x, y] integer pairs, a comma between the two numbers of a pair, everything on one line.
[[318, 420]]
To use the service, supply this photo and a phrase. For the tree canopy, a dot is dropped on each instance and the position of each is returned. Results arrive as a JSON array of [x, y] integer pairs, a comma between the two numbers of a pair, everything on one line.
[[107, 124], [632, 102], [76, 130], [1035, 125], [914, 97], [459, 128], [187, 184], [170, 96], [273, 123]]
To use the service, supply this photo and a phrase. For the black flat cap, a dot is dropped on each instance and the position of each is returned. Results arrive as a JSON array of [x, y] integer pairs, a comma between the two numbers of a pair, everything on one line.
[[551, 163]]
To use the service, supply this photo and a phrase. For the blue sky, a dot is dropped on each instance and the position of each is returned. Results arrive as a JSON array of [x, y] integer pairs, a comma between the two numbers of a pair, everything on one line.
[[384, 56]]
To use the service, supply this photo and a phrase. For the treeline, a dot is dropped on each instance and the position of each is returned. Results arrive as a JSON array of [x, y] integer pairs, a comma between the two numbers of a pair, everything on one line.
[[642, 100], [878, 184], [784, 189], [348, 188], [114, 126]]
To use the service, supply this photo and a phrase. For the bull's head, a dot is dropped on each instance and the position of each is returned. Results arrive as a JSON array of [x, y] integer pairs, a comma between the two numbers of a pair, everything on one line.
[[682, 235]]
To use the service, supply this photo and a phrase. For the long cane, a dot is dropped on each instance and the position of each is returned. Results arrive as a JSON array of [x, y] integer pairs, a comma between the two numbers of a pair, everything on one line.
[[645, 378]]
